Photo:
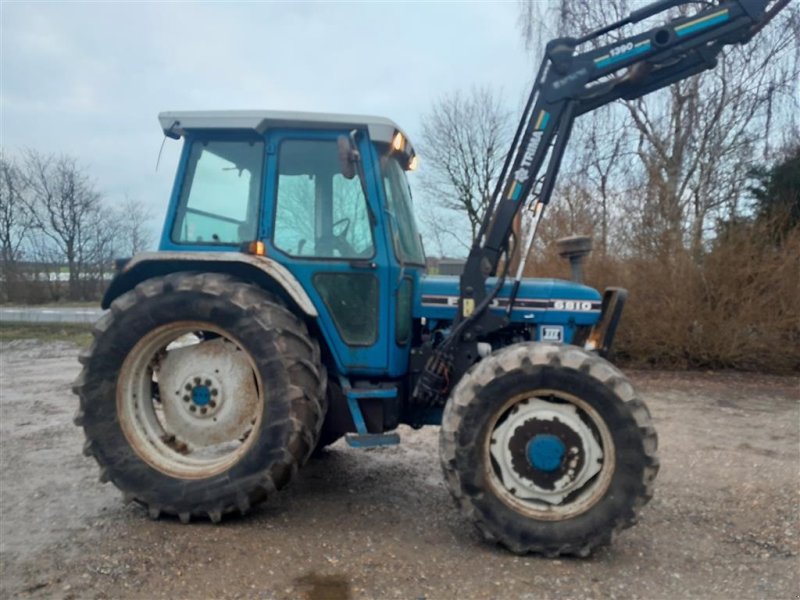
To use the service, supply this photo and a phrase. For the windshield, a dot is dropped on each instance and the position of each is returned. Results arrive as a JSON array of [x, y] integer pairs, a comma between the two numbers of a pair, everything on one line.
[[399, 206], [221, 193]]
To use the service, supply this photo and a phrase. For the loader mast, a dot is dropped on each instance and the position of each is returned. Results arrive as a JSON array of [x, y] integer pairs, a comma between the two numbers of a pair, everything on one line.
[[576, 76]]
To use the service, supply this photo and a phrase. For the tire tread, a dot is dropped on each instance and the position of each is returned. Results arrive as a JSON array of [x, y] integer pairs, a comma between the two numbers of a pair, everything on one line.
[[308, 377], [526, 357]]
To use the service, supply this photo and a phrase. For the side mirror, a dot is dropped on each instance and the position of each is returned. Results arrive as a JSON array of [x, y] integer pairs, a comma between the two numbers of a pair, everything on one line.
[[348, 156]]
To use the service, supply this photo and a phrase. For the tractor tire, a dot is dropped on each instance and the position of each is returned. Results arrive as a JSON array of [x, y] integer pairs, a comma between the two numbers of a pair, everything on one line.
[[326, 438], [337, 420], [200, 395], [546, 448]]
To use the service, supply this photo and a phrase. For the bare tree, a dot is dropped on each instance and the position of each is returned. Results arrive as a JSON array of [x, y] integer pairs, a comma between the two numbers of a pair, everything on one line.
[[134, 231], [464, 142], [695, 141], [700, 139], [592, 175], [442, 236], [15, 222], [65, 207]]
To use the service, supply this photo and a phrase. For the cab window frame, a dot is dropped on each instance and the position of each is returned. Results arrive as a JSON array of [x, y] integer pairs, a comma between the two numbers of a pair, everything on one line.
[[392, 221], [180, 202]]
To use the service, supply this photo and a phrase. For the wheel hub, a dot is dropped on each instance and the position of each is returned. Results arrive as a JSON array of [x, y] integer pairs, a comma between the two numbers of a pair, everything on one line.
[[201, 395], [545, 451], [208, 393]]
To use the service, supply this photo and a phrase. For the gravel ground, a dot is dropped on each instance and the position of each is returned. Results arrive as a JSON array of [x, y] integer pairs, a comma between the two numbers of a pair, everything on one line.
[[380, 523]]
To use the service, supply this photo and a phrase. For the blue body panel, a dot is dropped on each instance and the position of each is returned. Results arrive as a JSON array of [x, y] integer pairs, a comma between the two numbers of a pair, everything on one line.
[[540, 302]]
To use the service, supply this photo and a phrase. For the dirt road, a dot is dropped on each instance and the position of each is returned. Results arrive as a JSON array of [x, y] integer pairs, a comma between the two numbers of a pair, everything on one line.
[[380, 524]]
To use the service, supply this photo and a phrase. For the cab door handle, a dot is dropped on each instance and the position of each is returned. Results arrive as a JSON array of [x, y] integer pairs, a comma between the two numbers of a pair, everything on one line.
[[363, 264]]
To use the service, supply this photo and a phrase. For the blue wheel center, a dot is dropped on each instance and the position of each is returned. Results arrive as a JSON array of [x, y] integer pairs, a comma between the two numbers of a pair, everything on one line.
[[545, 452], [201, 395]]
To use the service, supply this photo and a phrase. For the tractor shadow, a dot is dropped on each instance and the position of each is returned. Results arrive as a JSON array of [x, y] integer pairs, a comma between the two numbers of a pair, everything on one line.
[[399, 484], [314, 586]]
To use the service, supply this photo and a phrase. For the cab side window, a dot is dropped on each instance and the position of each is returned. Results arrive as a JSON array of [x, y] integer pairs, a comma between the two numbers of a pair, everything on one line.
[[319, 213]]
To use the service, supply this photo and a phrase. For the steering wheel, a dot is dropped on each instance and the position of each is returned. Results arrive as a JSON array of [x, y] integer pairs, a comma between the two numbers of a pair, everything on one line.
[[340, 242], [343, 232]]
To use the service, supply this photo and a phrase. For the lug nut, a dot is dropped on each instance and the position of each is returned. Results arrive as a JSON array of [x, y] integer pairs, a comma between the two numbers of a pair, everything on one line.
[[193, 408], [197, 380], [188, 387], [214, 391], [212, 404], [207, 383], [186, 398], [204, 410]]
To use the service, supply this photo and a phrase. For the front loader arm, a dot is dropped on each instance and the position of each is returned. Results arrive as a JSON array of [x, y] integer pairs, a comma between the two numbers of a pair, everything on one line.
[[570, 82]]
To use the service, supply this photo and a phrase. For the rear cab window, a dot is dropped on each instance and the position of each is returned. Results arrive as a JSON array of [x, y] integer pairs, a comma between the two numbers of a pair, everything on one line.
[[220, 195]]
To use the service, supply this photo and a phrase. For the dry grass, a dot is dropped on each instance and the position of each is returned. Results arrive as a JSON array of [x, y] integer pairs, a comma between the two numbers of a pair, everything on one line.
[[77, 333], [738, 307]]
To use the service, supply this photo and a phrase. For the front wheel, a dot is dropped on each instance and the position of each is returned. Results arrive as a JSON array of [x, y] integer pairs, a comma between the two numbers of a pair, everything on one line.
[[546, 448]]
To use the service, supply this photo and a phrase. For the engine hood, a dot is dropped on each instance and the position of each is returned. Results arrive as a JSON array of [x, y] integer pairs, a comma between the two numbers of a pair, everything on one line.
[[540, 301]]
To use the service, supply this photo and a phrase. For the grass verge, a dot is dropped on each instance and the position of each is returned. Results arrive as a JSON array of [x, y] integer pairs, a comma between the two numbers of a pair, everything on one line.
[[77, 333]]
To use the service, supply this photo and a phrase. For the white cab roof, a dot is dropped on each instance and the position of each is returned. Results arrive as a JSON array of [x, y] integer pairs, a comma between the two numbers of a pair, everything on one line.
[[175, 123]]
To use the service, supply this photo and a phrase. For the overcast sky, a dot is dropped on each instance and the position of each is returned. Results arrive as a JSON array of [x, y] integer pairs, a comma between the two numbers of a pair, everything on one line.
[[88, 79]]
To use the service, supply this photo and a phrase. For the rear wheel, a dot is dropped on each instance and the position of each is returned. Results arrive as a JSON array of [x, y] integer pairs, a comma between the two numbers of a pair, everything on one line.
[[200, 395], [547, 449]]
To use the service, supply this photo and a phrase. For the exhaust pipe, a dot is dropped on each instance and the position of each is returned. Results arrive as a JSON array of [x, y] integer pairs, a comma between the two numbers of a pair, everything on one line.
[[575, 249]]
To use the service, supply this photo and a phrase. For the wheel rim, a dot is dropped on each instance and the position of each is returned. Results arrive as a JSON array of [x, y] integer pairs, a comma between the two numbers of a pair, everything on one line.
[[549, 455], [189, 399]]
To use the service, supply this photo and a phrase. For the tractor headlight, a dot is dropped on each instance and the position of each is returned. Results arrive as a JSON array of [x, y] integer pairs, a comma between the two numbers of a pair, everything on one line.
[[398, 142]]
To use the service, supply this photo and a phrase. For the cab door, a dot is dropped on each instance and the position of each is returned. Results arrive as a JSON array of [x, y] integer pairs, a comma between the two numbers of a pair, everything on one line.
[[321, 226]]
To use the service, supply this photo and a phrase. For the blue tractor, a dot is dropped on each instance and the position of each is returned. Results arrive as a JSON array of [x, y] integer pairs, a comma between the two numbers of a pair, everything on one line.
[[288, 306]]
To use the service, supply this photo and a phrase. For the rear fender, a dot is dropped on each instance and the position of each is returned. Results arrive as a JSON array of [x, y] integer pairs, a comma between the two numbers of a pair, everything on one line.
[[260, 270]]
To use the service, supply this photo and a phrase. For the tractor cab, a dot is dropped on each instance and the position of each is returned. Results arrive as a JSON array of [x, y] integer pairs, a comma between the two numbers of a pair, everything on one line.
[[324, 196]]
